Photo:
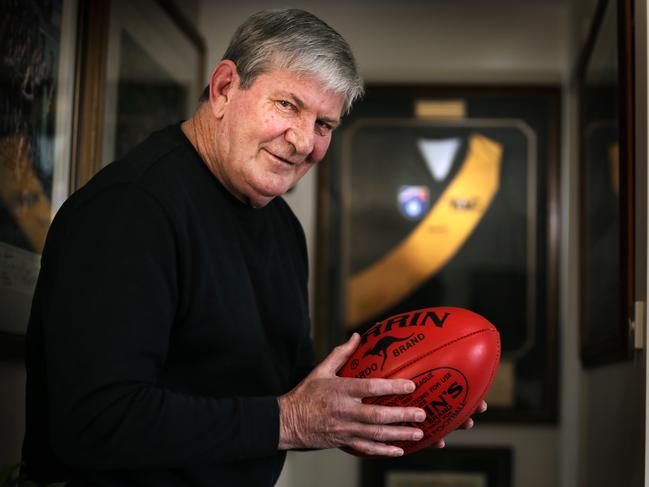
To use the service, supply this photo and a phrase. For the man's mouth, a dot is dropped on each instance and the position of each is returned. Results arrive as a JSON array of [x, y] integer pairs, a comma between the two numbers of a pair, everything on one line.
[[285, 161]]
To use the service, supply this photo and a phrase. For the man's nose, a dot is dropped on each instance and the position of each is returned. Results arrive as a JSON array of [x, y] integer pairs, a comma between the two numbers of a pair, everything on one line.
[[301, 137]]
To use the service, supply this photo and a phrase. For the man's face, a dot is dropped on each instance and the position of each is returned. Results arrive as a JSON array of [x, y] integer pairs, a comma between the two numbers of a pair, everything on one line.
[[273, 133]]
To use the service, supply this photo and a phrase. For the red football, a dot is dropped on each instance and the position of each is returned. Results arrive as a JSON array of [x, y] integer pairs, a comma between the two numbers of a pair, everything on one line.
[[450, 353]]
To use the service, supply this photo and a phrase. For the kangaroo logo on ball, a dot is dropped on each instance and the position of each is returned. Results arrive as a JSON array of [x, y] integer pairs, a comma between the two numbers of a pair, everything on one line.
[[381, 347]]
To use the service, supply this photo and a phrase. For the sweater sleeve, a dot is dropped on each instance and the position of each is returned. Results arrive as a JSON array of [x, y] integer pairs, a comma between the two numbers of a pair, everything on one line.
[[306, 355], [109, 318]]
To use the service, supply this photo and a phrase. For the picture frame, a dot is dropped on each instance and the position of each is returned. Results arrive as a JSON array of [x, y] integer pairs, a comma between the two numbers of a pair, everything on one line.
[[500, 147], [606, 185], [143, 68], [37, 73], [154, 73], [447, 467]]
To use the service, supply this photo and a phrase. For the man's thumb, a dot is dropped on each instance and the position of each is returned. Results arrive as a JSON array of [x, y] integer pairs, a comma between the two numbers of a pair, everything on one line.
[[339, 355]]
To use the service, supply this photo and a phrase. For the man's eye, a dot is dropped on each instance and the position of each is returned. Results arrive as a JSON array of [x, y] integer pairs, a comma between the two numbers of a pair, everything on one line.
[[324, 127], [286, 104]]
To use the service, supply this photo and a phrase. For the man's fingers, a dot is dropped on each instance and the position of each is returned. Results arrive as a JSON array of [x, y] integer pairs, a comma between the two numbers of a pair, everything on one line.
[[469, 423], [370, 441], [339, 355], [383, 433], [368, 447], [378, 415], [379, 387], [438, 444]]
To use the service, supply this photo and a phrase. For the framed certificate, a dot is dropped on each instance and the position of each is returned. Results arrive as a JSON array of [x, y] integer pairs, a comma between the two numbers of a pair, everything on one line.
[[438, 196]]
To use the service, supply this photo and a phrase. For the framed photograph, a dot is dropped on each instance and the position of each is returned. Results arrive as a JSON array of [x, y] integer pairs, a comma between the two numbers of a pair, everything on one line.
[[448, 196], [447, 467], [605, 77], [37, 66]]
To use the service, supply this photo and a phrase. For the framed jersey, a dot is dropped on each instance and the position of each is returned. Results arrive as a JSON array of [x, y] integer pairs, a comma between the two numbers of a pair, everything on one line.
[[440, 196]]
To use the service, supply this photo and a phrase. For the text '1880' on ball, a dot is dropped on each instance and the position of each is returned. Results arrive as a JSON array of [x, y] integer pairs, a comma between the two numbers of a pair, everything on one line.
[[451, 354]]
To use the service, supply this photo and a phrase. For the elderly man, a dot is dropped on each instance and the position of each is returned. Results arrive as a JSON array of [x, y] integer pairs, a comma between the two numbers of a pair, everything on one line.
[[169, 339]]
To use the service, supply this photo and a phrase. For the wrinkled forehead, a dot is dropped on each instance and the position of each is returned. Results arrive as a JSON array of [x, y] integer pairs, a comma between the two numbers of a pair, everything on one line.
[[305, 83], [327, 81]]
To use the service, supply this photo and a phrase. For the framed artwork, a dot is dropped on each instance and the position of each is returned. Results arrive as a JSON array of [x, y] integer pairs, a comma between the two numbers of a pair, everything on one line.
[[448, 196], [153, 75], [37, 41], [605, 77], [447, 467], [143, 69]]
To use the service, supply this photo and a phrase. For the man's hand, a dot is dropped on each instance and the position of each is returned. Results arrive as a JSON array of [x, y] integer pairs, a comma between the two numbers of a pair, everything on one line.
[[326, 411]]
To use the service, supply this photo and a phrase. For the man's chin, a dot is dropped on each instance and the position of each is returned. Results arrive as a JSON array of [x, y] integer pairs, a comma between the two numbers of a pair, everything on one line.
[[261, 191], [259, 202], [267, 193], [260, 199]]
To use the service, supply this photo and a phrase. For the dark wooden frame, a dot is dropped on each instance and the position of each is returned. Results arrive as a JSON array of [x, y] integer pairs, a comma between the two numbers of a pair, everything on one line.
[[495, 463], [613, 344], [328, 331]]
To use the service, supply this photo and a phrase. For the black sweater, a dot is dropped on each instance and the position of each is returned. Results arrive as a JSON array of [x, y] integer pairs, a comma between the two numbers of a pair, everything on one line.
[[167, 318]]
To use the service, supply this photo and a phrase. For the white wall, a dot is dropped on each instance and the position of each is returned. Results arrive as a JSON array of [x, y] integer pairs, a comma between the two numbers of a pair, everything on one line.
[[415, 41], [572, 392]]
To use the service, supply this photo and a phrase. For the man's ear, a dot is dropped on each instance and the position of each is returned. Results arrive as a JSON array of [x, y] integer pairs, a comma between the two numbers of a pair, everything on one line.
[[222, 81]]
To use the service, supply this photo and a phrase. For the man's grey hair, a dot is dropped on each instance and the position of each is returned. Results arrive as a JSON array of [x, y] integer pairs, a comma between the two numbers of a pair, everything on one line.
[[299, 42]]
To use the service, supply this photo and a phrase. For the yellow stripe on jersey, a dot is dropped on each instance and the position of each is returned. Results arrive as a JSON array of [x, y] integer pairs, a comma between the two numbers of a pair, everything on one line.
[[437, 238]]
